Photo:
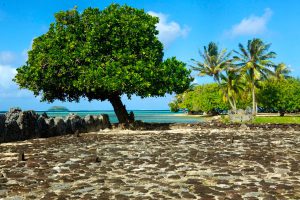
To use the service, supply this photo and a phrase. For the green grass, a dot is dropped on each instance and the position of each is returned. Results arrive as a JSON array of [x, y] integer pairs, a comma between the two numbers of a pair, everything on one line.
[[277, 120]]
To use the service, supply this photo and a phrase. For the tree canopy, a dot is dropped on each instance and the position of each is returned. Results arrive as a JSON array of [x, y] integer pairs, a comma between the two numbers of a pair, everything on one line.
[[280, 96], [101, 54], [249, 72], [203, 98], [255, 60], [214, 61]]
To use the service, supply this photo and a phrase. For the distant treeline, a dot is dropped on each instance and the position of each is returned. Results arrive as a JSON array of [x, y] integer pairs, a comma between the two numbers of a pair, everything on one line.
[[242, 78]]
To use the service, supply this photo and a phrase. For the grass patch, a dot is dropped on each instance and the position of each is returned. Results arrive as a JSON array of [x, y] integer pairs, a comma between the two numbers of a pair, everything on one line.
[[277, 120]]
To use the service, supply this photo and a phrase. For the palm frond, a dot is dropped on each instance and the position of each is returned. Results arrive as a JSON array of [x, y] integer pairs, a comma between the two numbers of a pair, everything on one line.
[[243, 50]]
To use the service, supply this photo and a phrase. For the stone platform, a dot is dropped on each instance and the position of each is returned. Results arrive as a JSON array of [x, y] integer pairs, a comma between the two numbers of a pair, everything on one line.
[[189, 163]]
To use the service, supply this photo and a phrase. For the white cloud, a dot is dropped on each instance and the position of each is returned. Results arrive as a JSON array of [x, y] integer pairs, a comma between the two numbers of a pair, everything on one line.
[[25, 51], [6, 57], [15, 94], [252, 25], [168, 30], [7, 73], [8, 88]]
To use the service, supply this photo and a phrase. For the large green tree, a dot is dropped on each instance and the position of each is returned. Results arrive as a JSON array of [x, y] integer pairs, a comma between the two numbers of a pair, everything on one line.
[[255, 60], [280, 96], [203, 98], [102, 55]]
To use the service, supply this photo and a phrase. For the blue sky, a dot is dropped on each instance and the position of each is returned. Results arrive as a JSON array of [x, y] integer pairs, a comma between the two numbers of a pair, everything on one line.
[[185, 27]]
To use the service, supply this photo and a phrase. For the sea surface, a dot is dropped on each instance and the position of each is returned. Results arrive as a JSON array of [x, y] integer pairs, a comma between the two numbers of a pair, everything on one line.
[[158, 116]]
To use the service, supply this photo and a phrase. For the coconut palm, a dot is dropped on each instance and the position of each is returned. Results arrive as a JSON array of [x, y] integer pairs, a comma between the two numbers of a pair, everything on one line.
[[255, 61], [214, 62], [281, 72], [234, 84]]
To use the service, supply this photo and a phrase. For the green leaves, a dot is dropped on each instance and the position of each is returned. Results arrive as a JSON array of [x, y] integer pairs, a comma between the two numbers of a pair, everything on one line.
[[281, 72], [214, 61], [280, 96], [255, 61], [97, 53], [205, 98]]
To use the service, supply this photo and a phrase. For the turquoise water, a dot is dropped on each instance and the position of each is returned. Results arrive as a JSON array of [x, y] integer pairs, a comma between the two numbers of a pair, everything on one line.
[[158, 116]]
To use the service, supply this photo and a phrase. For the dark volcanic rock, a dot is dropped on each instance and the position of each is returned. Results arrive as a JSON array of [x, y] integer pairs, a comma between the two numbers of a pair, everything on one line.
[[91, 123], [42, 126], [2, 127], [27, 123], [12, 129], [51, 127], [96, 122], [75, 123], [104, 121], [18, 125], [61, 126]]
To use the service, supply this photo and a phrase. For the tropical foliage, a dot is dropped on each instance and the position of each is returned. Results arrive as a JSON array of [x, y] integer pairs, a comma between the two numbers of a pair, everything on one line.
[[203, 98], [241, 78], [102, 55], [215, 61], [280, 96], [281, 72], [232, 85], [255, 61], [174, 106]]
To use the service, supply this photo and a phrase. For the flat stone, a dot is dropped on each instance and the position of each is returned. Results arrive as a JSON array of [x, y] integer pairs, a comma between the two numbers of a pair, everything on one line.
[[193, 163]]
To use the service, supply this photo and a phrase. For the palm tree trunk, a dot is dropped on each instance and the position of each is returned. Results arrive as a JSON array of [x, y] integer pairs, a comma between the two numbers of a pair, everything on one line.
[[226, 95], [234, 104], [253, 100]]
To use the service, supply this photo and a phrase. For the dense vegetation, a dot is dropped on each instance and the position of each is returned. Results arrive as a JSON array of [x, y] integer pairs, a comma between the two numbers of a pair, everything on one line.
[[102, 55], [248, 74], [280, 96], [203, 98]]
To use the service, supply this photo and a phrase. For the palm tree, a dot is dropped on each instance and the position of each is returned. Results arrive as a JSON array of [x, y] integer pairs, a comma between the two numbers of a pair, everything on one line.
[[214, 62], [233, 83], [255, 61], [281, 72]]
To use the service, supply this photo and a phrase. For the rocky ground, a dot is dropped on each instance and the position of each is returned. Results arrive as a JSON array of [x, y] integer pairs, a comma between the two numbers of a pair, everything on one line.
[[180, 163]]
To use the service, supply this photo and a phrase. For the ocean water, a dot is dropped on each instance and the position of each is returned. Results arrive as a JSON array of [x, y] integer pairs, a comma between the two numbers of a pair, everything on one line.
[[158, 116]]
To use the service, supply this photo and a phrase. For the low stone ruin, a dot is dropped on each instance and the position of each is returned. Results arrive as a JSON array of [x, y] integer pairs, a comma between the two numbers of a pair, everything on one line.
[[240, 116], [18, 125]]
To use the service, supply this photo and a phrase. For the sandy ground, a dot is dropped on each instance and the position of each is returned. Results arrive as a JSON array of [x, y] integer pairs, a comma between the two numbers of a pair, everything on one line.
[[185, 163]]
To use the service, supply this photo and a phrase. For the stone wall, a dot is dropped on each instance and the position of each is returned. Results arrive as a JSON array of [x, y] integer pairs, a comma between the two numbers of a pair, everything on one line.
[[18, 125]]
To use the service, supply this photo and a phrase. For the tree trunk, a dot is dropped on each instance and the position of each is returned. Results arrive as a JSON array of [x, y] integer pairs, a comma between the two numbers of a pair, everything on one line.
[[234, 104], [119, 108], [281, 113], [253, 100], [227, 96]]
